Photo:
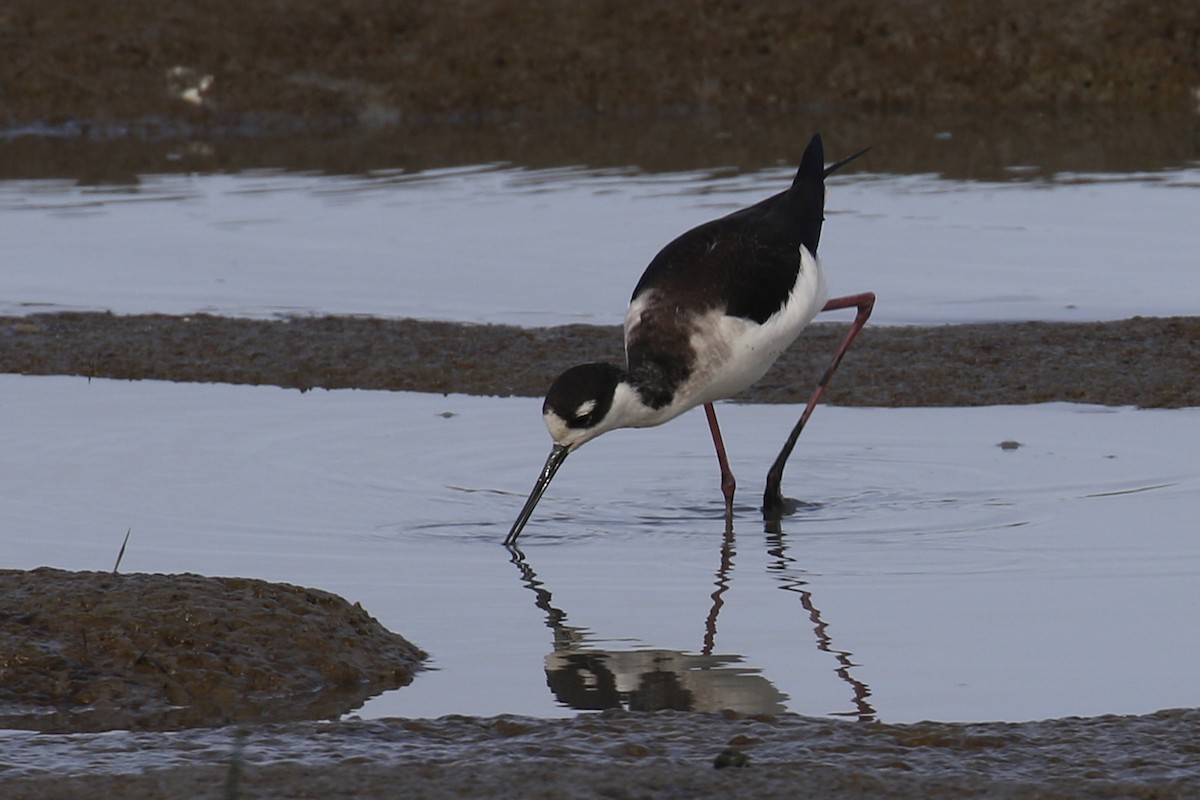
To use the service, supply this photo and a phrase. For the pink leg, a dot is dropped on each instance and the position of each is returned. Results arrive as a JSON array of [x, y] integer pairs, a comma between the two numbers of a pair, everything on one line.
[[728, 484], [773, 505]]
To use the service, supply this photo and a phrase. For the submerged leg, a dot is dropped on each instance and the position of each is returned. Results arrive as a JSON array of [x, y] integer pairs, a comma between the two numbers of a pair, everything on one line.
[[772, 497], [728, 484]]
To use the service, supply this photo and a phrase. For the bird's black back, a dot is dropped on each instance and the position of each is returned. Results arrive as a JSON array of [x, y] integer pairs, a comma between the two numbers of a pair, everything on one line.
[[746, 262]]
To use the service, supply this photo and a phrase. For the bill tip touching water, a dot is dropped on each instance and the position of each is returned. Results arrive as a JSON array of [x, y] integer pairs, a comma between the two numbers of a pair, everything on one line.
[[709, 316]]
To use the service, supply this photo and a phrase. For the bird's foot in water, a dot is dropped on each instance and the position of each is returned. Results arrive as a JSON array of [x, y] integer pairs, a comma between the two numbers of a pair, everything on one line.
[[776, 506]]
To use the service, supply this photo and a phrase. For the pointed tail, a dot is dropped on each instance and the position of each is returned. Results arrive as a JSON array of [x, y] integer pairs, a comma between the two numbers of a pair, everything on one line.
[[807, 195]]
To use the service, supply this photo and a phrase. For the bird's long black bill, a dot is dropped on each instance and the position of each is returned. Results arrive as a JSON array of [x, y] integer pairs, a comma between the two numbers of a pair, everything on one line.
[[557, 456]]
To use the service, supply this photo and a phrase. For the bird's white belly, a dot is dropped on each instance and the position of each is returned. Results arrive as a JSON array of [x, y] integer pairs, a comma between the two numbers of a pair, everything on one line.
[[733, 353]]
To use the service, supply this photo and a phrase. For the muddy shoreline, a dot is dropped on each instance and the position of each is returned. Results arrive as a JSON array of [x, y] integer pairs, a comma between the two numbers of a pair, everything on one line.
[[1152, 362], [355, 63], [99, 651], [962, 89], [619, 754]]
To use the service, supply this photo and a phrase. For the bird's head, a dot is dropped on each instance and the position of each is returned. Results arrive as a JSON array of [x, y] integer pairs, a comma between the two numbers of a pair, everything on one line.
[[583, 402], [580, 404]]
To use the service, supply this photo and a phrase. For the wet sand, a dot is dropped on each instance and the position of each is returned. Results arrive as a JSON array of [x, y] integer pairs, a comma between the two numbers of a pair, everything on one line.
[[1148, 361], [617, 754]]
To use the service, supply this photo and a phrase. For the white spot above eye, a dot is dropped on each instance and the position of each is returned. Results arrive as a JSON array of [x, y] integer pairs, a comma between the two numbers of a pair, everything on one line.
[[585, 408]]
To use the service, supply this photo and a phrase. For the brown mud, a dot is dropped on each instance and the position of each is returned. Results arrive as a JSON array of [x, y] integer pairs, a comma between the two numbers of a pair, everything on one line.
[[336, 63], [620, 754], [97, 651], [93, 91], [1150, 362]]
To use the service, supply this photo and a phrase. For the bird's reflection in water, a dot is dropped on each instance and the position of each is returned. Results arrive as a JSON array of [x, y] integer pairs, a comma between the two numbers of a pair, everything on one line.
[[587, 678], [784, 571]]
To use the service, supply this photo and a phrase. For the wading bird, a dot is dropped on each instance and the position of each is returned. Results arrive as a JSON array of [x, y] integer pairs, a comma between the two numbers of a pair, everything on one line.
[[711, 313]]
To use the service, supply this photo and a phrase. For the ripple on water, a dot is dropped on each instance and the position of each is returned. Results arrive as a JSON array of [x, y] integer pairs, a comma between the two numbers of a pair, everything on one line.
[[962, 580]]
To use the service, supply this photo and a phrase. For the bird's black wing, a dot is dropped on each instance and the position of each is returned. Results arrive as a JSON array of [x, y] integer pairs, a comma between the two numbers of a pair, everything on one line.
[[745, 263]]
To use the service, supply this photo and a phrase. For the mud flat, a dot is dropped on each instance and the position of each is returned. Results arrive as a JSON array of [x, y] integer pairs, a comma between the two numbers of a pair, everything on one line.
[[337, 63], [96, 651], [1145, 361], [620, 754]]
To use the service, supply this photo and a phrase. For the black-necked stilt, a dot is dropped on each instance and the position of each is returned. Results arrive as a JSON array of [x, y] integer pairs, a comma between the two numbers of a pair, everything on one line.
[[711, 313]]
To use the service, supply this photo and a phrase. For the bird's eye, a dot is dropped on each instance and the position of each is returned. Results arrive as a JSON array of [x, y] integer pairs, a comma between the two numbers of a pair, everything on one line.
[[583, 414]]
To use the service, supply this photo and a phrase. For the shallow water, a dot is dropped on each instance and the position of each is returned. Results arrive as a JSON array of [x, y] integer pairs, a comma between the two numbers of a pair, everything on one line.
[[500, 243], [935, 575]]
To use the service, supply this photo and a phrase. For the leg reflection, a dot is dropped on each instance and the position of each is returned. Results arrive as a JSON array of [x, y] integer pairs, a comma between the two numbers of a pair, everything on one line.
[[783, 567], [722, 584]]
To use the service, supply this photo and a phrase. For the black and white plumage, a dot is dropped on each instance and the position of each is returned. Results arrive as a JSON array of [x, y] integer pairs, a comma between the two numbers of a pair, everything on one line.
[[710, 315]]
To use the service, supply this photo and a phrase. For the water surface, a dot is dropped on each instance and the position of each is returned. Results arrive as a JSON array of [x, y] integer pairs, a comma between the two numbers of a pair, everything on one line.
[[499, 243], [935, 575]]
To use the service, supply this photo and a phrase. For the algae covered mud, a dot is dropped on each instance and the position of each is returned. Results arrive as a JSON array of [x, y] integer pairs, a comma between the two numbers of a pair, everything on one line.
[[94, 651]]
